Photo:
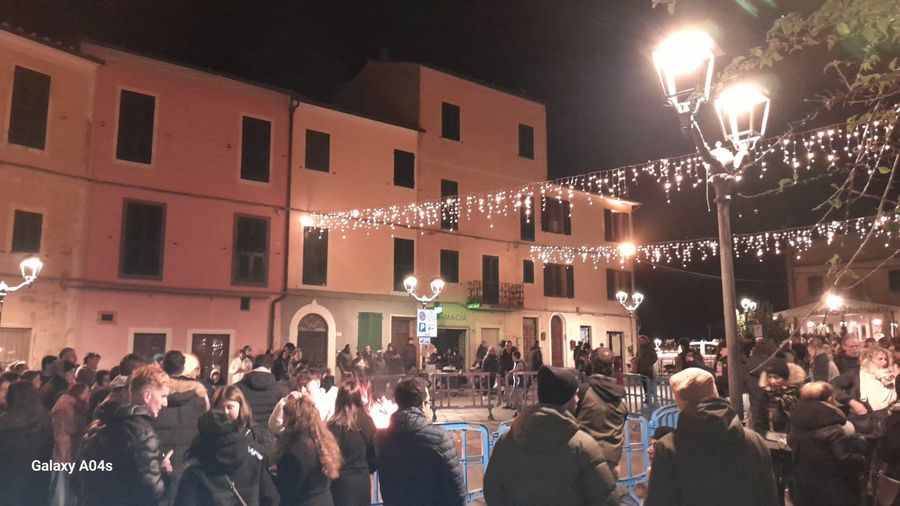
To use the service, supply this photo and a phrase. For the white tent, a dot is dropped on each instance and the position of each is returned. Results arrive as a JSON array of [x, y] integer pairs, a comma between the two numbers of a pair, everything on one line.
[[864, 318]]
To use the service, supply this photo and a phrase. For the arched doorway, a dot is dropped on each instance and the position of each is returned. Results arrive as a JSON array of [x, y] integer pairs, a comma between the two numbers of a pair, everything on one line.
[[557, 338], [312, 338]]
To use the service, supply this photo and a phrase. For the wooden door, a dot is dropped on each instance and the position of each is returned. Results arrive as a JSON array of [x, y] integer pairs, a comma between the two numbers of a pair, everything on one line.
[[529, 332], [147, 344], [556, 341], [312, 338], [401, 331], [213, 351]]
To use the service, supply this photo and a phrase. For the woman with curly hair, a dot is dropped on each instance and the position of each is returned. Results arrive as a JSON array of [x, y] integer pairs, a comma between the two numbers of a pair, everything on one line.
[[309, 456], [354, 431], [231, 400]]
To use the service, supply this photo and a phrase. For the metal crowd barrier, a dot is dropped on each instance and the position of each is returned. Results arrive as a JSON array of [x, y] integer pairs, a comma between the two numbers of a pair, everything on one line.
[[469, 389], [666, 416], [519, 390], [637, 460]]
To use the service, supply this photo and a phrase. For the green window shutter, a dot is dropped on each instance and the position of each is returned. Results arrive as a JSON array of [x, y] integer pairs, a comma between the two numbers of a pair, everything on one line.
[[369, 331]]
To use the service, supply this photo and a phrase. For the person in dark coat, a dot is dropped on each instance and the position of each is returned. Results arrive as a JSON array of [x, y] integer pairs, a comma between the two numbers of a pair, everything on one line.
[[828, 462], [124, 439], [176, 424], [221, 471], [646, 358], [417, 461], [230, 400], [118, 384], [601, 407], [354, 431], [848, 359], [261, 390], [345, 360], [546, 458], [888, 449], [409, 354], [710, 459], [759, 404], [309, 457], [281, 368], [25, 436], [62, 374]]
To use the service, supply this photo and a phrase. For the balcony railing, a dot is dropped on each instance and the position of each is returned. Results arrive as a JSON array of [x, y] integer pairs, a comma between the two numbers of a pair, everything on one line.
[[496, 295]]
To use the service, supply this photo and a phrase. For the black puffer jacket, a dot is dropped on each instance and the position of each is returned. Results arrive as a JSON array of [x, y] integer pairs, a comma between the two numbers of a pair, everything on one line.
[[262, 392], [123, 437], [827, 462], [417, 463], [712, 460], [601, 413], [176, 425], [217, 458]]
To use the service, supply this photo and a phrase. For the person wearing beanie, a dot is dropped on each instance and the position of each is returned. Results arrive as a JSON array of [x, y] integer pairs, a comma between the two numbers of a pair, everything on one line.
[[710, 458], [781, 382], [546, 436], [220, 469]]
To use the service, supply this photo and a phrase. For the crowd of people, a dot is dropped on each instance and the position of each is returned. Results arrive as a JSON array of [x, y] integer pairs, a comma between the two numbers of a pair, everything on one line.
[[286, 431]]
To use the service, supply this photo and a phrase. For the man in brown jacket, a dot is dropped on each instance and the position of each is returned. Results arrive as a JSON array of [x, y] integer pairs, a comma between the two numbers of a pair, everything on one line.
[[546, 458]]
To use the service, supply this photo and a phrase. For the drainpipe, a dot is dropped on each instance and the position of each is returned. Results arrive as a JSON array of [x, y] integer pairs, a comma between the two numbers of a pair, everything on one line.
[[294, 103]]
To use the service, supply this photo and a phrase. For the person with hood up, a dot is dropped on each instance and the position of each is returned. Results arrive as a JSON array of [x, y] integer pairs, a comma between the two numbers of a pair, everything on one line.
[[828, 459], [124, 439], [261, 390], [710, 458], [417, 461], [220, 471], [176, 424], [601, 407], [545, 457]]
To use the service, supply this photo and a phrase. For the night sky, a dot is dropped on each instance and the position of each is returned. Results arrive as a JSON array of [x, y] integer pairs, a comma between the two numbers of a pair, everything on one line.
[[588, 60]]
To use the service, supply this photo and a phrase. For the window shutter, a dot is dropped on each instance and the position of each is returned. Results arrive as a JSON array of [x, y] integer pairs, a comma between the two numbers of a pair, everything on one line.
[[548, 281], [611, 284], [570, 281], [607, 225], [567, 218], [545, 215]]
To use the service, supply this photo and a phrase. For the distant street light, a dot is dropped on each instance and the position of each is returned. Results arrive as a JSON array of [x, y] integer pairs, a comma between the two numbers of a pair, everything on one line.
[[685, 63], [30, 269], [636, 299], [627, 250], [410, 283], [833, 301], [748, 305]]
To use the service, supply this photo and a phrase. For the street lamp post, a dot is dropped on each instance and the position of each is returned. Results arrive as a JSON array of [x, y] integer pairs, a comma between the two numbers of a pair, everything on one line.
[[437, 286], [30, 268], [685, 64], [635, 300], [749, 306]]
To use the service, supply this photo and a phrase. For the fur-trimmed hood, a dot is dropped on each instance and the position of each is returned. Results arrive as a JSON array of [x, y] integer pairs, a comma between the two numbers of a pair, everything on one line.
[[796, 377], [184, 385]]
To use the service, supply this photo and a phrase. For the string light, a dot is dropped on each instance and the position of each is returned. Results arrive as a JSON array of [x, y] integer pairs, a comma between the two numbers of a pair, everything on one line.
[[757, 245], [821, 148]]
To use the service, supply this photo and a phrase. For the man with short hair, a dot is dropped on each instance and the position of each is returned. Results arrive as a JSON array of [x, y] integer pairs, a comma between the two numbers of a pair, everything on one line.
[[124, 440], [69, 355], [176, 424], [546, 458], [848, 359], [261, 390], [710, 458], [602, 410], [87, 372], [417, 461]]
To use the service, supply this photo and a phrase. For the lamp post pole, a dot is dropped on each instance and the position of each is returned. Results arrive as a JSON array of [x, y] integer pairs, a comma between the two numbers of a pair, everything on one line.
[[636, 299], [30, 268]]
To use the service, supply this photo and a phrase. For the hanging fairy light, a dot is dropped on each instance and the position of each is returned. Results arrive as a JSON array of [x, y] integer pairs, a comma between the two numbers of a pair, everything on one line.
[[777, 157]]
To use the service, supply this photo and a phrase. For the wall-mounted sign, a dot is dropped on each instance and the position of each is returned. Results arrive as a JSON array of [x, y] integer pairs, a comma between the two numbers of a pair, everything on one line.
[[426, 323]]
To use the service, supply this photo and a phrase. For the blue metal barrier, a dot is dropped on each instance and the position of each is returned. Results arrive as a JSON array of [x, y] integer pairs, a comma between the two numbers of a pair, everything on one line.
[[666, 416], [501, 430], [635, 452], [663, 392]]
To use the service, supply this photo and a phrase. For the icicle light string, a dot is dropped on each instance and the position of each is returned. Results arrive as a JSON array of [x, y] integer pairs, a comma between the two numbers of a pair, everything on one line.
[[824, 147], [758, 244]]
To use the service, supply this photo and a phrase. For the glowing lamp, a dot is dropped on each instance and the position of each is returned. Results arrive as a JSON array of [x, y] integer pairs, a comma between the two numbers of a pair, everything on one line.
[[30, 268], [684, 63], [627, 249], [743, 112]]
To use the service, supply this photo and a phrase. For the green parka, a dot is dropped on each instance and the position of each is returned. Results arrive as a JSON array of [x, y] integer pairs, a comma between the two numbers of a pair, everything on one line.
[[545, 458]]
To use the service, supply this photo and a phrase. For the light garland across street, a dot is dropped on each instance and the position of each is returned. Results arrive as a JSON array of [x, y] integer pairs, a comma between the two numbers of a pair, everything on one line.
[[822, 148], [758, 244]]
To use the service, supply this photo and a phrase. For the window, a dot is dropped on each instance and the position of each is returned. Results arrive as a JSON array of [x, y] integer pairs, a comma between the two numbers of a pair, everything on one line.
[[616, 226], [490, 279], [527, 271], [28, 111], [556, 216], [559, 280], [526, 141], [449, 211], [143, 229], [526, 220], [450, 266], [585, 335], [368, 331], [616, 281], [404, 261], [815, 286], [449, 121], [404, 169], [136, 117], [250, 260], [256, 147], [318, 151], [315, 256], [27, 232], [894, 280]]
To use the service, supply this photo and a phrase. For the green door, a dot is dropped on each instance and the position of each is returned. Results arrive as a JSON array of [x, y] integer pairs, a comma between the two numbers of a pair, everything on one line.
[[369, 331]]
